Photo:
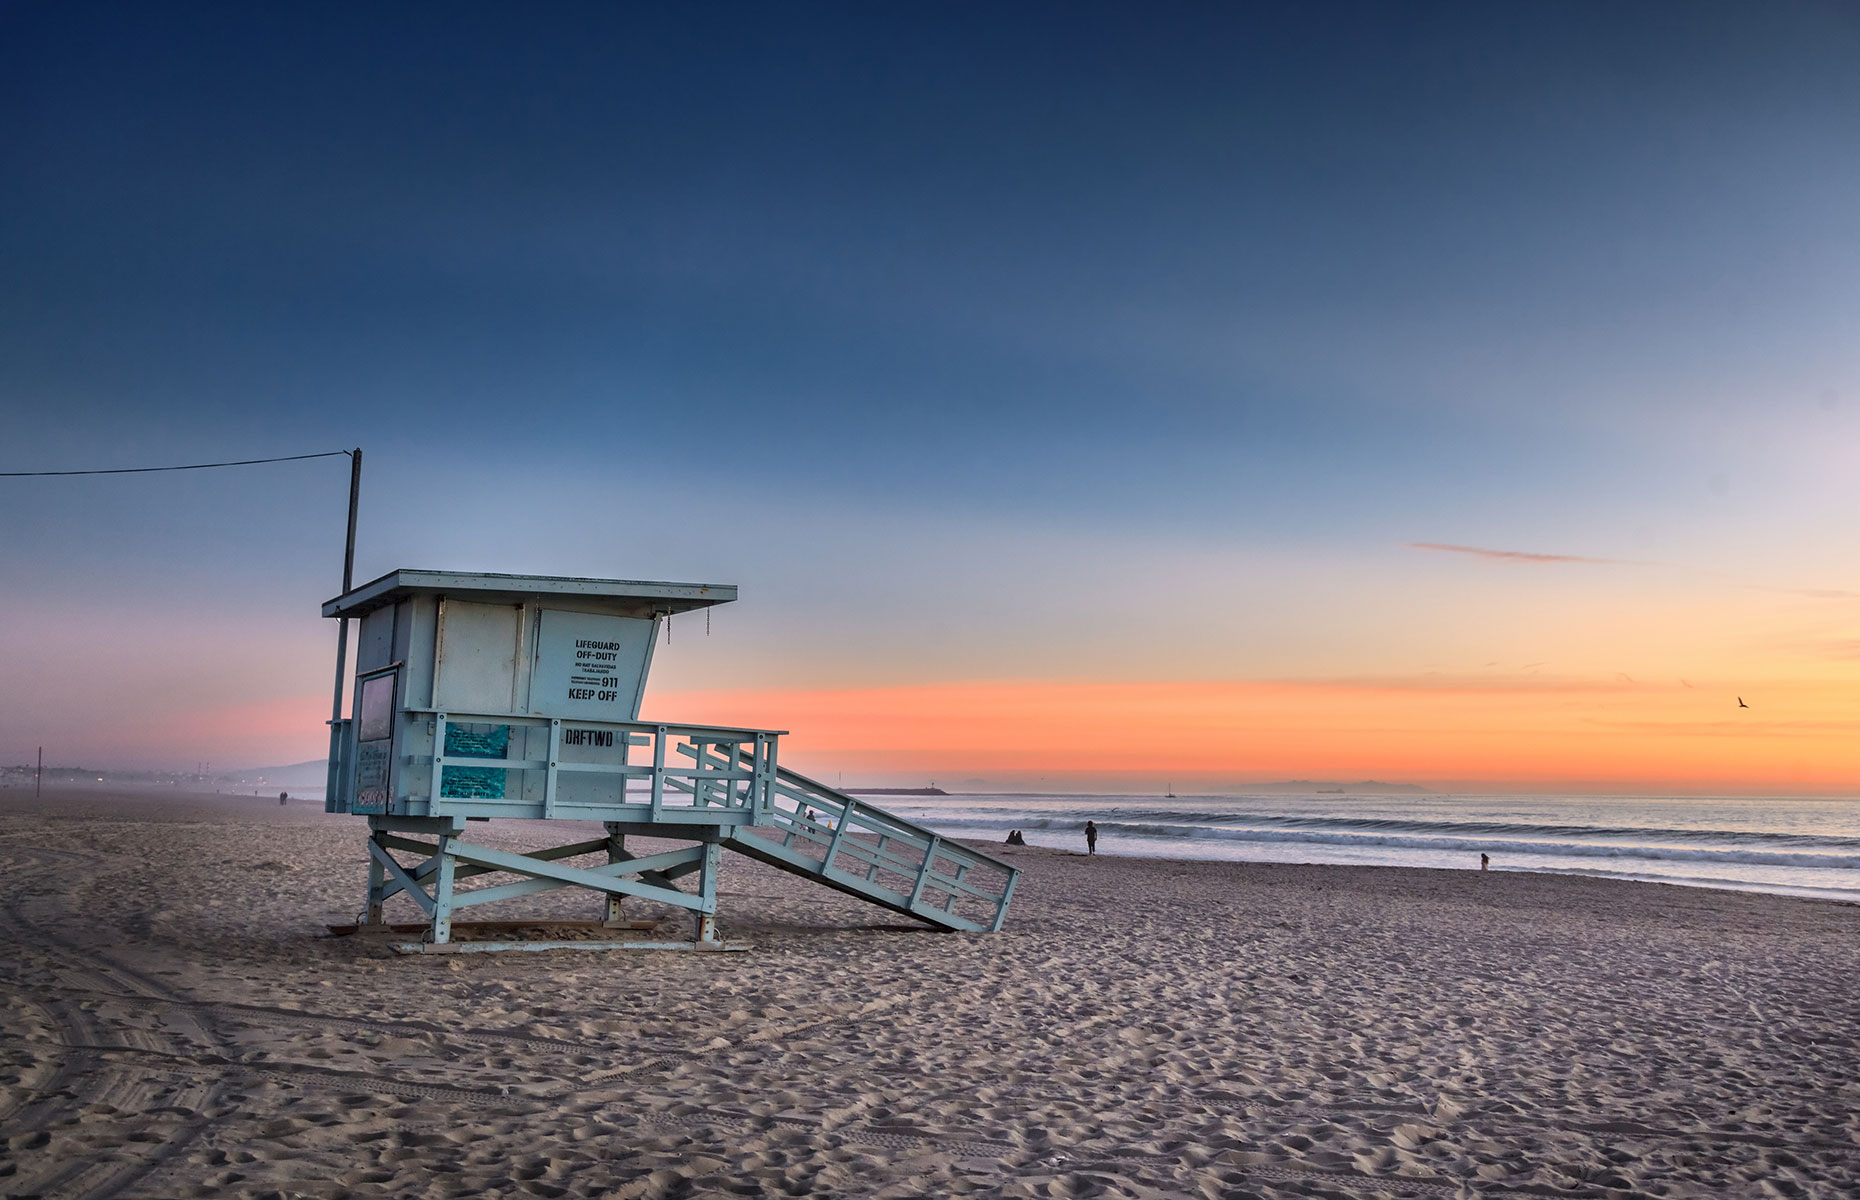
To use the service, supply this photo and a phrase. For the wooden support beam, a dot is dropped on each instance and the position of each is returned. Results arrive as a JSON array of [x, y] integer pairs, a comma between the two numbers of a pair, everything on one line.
[[487, 926], [398, 878], [391, 841], [430, 826], [690, 860], [712, 947], [596, 879], [425, 870]]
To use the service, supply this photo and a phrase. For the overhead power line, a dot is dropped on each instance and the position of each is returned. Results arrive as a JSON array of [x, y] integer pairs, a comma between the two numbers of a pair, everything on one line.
[[244, 462]]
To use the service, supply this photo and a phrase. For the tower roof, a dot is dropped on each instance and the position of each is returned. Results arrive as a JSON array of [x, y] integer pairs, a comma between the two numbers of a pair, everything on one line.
[[487, 588]]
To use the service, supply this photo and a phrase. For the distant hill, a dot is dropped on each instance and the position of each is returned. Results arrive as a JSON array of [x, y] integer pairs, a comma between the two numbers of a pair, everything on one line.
[[314, 773]]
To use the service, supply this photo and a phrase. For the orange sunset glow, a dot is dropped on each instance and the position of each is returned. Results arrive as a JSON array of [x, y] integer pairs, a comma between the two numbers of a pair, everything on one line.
[[1565, 734]]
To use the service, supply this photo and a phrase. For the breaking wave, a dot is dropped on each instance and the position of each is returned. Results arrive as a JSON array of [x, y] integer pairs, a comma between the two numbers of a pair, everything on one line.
[[1490, 837]]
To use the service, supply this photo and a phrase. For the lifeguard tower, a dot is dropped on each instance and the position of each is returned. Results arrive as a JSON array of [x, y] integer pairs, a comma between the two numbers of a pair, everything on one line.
[[496, 696]]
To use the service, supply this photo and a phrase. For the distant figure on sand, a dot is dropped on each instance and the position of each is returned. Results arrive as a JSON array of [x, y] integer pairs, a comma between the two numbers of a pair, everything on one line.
[[1014, 838], [1091, 838], [1485, 861], [283, 796]]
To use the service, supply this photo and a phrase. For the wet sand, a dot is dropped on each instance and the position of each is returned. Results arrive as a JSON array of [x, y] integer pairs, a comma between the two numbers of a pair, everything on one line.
[[177, 1025]]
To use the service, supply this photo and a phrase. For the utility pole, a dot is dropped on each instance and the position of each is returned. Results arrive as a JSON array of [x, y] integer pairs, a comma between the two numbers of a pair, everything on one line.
[[348, 581], [38, 777]]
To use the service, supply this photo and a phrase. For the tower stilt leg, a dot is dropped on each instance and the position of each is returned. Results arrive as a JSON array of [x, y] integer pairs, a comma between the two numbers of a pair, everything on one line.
[[377, 889], [442, 893], [706, 935], [616, 851]]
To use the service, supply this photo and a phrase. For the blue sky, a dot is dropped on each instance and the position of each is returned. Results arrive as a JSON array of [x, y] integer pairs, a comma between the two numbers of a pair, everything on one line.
[[1102, 339]]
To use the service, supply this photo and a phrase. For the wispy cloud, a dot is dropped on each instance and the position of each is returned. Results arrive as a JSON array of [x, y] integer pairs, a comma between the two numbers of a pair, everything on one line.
[[1514, 555], [1816, 593]]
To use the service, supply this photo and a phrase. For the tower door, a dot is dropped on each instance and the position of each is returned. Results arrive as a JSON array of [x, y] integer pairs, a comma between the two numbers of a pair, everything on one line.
[[375, 728]]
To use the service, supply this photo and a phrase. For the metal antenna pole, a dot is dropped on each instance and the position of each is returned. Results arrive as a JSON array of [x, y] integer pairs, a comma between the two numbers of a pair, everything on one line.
[[348, 581]]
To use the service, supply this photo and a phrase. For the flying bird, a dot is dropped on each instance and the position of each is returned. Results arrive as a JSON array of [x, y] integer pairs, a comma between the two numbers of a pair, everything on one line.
[[1740, 703]]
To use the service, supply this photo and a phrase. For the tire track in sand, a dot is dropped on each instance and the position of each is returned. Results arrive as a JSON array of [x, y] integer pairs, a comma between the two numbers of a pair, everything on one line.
[[57, 1134]]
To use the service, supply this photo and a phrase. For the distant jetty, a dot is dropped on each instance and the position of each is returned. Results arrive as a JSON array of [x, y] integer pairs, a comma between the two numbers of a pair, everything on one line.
[[862, 791]]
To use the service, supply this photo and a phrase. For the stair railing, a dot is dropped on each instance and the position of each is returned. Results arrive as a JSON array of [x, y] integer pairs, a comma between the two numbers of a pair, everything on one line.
[[878, 853]]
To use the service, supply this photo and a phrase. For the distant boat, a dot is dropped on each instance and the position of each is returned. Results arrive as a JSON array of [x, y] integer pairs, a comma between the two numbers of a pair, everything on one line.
[[1168, 791], [1330, 791]]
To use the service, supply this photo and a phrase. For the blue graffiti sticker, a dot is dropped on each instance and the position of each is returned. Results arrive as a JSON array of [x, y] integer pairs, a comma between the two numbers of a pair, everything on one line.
[[475, 741]]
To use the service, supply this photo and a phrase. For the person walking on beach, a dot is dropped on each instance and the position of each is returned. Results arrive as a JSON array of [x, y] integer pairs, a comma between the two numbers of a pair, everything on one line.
[[1485, 862], [1091, 838]]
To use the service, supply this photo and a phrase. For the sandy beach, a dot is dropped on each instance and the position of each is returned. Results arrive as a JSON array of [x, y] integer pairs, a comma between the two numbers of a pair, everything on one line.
[[178, 1025]]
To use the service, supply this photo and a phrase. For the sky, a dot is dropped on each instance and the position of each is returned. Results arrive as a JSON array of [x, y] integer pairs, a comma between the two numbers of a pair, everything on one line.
[[1083, 397]]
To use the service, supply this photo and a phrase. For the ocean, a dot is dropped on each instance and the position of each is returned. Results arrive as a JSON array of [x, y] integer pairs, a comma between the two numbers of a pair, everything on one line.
[[1796, 847]]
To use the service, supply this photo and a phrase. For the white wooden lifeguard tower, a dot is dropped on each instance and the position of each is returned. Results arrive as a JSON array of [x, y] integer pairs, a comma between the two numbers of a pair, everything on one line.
[[479, 696]]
